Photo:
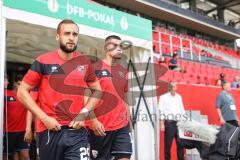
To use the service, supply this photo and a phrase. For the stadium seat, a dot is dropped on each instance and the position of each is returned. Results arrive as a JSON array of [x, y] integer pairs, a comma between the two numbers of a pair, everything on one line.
[[165, 38], [165, 49], [155, 36], [156, 48]]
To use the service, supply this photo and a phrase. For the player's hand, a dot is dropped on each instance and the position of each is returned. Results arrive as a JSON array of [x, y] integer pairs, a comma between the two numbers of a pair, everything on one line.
[[98, 128], [222, 121], [51, 124], [76, 124], [28, 137]]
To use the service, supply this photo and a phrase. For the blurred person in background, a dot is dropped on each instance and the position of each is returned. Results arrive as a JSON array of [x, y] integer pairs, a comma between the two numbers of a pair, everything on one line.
[[221, 80], [173, 64], [110, 133], [235, 83], [171, 109], [226, 107], [17, 134]]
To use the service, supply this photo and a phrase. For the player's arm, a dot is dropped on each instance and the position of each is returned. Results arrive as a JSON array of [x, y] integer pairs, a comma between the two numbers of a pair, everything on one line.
[[89, 106], [222, 121], [26, 99], [28, 137], [95, 97], [219, 112], [128, 116], [97, 126]]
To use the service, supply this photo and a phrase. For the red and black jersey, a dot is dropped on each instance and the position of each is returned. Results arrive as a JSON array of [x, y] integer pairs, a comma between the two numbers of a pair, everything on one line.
[[111, 111], [14, 113], [61, 85], [34, 94]]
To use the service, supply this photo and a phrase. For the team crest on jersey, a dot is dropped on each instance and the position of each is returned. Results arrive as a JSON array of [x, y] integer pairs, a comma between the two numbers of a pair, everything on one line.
[[94, 153], [121, 74], [80, 68]]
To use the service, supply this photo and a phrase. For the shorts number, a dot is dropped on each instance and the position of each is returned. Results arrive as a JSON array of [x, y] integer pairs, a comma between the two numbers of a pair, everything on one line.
[[84, 153]]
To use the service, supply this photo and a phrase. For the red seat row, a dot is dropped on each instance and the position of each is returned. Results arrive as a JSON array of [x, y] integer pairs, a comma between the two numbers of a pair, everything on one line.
[[198, 73]]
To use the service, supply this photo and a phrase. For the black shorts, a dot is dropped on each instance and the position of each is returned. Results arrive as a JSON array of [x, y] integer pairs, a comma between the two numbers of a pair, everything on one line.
[[233, 122], [66, 144], [116, 144], [14, 142]]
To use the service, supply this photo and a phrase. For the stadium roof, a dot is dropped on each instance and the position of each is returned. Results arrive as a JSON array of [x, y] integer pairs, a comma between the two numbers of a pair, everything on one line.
[[209, 7], [181, 15], [231, 5]]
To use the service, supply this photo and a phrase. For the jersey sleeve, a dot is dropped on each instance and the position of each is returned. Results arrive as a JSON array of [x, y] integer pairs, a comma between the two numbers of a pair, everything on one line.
[[34, 74], [91, 76]]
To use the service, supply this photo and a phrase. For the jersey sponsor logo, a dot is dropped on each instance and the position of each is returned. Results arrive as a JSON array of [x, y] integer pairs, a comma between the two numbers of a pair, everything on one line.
[[103, 73], [11, 99], [50, 69]]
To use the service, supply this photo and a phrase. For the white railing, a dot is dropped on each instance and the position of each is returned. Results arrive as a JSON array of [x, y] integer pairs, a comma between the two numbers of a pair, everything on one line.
[[171, 45]]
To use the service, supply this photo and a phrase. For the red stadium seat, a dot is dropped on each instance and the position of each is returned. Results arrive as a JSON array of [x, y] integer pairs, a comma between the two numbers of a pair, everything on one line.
[[165, 38], [196, 73], [156, 47], [166, 49], [155, 36], [176, 41]]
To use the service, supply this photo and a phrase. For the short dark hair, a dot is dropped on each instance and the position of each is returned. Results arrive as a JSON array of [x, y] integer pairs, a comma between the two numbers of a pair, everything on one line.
[[222, 75], [112, 37], [65, 21], [19, 77]]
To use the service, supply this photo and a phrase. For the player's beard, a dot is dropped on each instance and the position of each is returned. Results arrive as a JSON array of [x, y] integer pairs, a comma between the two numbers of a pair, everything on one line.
[[67, 50], [117, 57]]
